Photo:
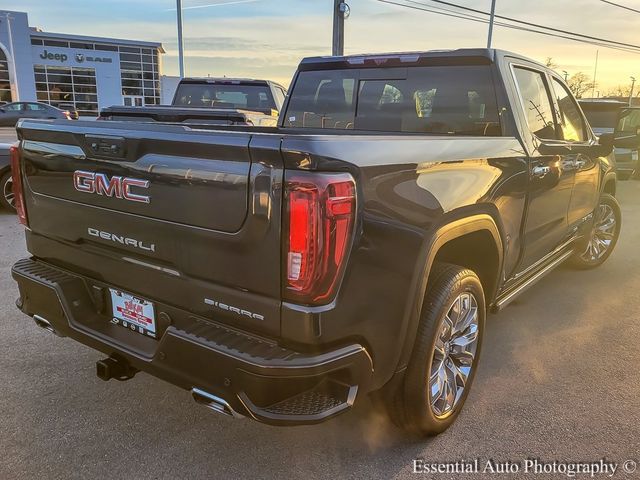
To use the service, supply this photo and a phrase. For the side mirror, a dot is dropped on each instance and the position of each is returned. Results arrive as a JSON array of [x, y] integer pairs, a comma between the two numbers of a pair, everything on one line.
[[2, 110], [605, 144]]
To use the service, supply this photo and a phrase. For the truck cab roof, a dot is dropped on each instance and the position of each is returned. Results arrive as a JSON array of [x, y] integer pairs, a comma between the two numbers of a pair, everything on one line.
[[461, 56], [228, 81]]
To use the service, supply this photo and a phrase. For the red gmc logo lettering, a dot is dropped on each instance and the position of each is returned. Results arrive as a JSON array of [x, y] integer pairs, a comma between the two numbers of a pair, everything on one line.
[[118, 187]]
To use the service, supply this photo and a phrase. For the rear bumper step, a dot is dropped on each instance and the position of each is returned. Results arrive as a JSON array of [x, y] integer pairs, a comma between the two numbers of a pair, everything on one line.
[[230, 371]]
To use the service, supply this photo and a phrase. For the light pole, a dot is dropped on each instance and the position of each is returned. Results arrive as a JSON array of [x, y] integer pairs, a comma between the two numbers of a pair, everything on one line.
[[491, 20], [595, 73], [180, 42], [566, 75], [340, 12], [14, 83], [633, 83]]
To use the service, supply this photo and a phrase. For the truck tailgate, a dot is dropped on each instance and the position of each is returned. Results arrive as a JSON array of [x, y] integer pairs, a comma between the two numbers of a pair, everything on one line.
[[178, 204]]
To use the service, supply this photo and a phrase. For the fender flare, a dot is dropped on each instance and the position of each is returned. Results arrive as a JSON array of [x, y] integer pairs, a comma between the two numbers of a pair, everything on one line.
[[609, 176], [449, 231]]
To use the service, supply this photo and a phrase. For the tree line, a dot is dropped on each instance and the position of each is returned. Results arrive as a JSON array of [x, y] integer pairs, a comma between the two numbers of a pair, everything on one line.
[[580, 84]]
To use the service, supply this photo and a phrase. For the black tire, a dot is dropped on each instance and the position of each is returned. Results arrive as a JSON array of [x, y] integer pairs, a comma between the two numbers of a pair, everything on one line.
[[6, 200], [411, 406], [586, 257]]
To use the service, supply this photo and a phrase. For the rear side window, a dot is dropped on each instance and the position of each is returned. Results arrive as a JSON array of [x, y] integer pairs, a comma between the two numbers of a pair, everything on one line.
[[280, 96], [536, 103], [35, 106], [452, 100], [571, 123], [629, 121]]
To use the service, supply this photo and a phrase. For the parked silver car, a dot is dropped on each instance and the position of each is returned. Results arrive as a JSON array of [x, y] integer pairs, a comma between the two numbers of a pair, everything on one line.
[[6, 183], [12, 112]]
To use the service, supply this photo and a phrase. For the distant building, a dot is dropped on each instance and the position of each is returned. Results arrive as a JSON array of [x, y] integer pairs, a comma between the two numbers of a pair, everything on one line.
[[168, 87], [86, 72]]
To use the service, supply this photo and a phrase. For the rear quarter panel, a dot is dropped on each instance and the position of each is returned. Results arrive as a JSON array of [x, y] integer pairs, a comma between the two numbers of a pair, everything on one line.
[[408, 186]]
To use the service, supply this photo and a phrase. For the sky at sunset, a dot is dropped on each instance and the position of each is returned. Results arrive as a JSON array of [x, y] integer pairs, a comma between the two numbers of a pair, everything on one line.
[[267, 38]]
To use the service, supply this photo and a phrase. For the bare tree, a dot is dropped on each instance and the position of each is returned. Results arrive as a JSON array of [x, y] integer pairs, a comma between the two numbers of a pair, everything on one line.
[[579, 83], [619, 91]]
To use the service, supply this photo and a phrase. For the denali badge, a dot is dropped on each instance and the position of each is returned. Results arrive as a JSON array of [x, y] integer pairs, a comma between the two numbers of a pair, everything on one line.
[[236, 310], [101, 184], [131, 242]]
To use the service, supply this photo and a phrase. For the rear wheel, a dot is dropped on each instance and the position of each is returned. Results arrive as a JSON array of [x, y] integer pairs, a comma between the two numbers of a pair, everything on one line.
[[603, 236], [7, 199], [445, 355]]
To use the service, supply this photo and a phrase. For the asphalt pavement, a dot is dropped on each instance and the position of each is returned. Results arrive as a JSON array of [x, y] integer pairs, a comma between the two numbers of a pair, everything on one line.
[[7, 135], [559, 379]]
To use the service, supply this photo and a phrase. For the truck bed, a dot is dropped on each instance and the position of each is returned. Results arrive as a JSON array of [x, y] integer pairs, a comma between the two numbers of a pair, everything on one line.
[[193, 117]]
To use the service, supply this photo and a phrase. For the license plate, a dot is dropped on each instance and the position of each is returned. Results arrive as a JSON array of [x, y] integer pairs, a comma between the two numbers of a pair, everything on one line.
[[133, 313]]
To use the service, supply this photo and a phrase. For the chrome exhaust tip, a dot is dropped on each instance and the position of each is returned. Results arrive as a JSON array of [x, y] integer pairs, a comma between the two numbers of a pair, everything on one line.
[[214, 403], [45, 324]]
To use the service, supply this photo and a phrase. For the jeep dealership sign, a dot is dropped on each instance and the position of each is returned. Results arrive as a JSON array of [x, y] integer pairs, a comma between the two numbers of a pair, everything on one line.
[[79, 57]]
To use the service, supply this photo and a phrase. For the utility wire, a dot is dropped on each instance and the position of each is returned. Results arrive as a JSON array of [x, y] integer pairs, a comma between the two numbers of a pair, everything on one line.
[[530, 24], [472, 18], [620, 6]]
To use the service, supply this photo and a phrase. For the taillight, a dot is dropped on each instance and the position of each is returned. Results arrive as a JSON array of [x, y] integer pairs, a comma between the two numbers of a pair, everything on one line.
[[318, 225], [16, 177]]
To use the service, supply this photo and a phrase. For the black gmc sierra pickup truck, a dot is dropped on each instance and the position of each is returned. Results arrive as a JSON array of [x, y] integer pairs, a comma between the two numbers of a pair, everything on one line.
[[282, 273]]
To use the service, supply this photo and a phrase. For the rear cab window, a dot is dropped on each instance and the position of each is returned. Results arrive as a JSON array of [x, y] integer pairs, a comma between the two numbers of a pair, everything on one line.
[[224, 95], [604, 116], [439, 100]]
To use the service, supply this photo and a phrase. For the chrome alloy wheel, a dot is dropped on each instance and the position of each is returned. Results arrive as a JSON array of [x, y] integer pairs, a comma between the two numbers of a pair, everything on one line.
[[602, 234], [453, 355], [7, 192]]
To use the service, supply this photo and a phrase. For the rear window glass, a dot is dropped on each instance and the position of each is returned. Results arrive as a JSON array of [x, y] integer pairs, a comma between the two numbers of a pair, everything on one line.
[[601, 116], [245, 97], [452, 100]]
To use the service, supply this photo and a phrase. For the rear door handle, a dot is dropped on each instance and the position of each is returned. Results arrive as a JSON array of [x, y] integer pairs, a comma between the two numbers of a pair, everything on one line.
[[540, 171]]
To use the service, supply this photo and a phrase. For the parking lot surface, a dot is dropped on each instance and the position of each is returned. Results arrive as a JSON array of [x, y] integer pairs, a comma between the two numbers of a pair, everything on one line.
[[7, 135], [558, 380]]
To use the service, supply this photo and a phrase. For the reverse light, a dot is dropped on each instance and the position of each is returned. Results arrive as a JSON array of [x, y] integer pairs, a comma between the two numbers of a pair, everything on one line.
[[16, 177], [318, 226]]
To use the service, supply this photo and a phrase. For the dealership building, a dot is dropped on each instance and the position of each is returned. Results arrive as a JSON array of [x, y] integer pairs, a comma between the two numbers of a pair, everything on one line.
[[63, 69]]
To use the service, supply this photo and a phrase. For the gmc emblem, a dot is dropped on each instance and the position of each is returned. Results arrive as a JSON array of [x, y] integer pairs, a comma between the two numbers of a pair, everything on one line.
[[118, 187]]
